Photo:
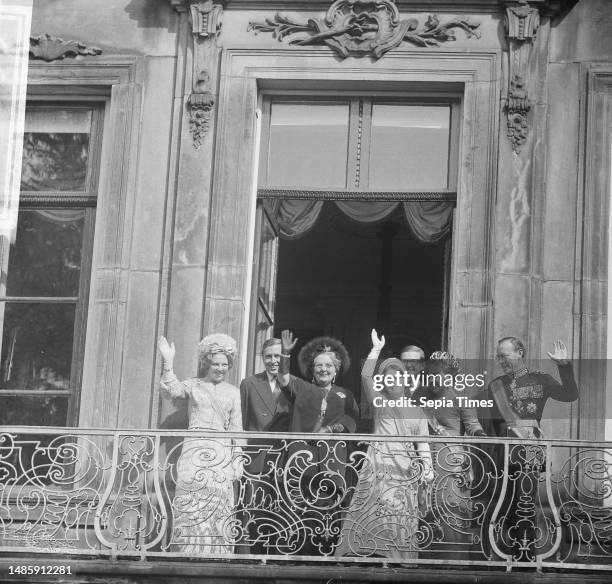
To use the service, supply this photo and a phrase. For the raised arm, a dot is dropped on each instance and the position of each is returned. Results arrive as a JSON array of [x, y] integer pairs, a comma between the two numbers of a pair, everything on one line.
[[169, 384], [287, 345], [369, 366], [567, 390]]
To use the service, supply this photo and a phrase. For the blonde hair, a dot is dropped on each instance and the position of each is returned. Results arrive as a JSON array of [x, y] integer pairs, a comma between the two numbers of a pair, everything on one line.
[[216, 343]]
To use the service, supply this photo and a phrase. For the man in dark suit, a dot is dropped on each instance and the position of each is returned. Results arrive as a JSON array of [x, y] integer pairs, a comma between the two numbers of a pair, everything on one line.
[[264, 406], [264, 409]]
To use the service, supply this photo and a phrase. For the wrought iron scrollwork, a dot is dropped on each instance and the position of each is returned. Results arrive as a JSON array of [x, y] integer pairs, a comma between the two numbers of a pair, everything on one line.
[[211, 495]]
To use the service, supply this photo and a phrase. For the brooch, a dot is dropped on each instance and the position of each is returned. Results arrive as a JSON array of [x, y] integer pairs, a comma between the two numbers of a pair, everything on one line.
[[342, 395]]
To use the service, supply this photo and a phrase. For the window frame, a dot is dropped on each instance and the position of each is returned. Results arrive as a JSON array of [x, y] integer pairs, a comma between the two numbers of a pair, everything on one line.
[[360, 108], [269, 196], [595, 208], [51, 199]]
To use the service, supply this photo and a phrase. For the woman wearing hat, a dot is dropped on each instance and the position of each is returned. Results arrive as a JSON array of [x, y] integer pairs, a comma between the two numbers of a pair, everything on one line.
[[315, 470], [203, 505], [383, 519]]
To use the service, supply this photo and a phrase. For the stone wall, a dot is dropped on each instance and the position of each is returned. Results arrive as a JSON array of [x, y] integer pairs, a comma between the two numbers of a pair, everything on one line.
[[181, 266]]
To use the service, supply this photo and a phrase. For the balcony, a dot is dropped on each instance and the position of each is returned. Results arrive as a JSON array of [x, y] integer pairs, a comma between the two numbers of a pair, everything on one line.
[[163, 498]]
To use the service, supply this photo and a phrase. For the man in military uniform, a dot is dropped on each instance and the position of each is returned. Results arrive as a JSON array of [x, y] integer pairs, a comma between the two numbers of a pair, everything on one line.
[[519, 397]]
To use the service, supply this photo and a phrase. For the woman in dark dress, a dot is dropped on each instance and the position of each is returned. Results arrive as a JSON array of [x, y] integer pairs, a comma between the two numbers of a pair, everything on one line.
[[315, 480]]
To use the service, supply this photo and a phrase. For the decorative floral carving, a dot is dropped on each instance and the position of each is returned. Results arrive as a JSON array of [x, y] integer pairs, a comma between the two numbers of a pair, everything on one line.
[[47, 48], [522, 23], [365, 27], [517, 108], [206, 18], [200, 106]]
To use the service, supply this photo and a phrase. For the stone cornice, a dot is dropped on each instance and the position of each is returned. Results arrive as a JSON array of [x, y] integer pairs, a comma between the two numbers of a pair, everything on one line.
[[546, 7]]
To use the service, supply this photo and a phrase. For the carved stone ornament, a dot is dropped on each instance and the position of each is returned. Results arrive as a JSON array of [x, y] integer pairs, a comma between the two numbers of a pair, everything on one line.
[[517, 108], [206, 18], [522, 23], [47, 48], [200, 106], [365, 27]]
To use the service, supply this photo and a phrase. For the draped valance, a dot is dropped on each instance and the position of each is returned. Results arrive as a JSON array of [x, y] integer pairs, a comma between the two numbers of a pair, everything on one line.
[[429, 221]]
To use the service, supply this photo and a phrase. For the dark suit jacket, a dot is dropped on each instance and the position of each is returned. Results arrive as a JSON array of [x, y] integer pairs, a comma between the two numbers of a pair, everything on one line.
[[262, 412]]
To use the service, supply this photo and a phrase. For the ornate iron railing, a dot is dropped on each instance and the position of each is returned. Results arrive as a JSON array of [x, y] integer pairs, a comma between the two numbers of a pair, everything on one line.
[[155, 494]]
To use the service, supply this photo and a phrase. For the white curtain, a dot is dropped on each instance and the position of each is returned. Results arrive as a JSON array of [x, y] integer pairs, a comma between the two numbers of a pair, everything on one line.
[[429, 221]]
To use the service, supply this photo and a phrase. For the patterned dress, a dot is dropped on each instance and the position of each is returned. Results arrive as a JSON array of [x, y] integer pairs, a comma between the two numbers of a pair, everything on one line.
[[383, 518], [203, 506]]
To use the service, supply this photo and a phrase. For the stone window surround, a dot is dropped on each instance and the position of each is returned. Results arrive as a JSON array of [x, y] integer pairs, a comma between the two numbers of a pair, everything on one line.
[[115, 81], [592, 246], [86, 199], [245, 73]]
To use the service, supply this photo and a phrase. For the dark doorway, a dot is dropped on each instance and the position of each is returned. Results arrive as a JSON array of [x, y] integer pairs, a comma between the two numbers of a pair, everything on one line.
[[345, 277]]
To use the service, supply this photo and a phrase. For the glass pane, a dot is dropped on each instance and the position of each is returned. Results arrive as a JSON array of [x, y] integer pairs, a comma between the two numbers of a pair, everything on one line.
[[55, 149], [410, 147], [45, 259], [308, 145], [37, 346], [33, 410]]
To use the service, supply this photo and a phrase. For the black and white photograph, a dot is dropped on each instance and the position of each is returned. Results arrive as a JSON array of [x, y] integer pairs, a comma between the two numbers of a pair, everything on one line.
[[230, 226]]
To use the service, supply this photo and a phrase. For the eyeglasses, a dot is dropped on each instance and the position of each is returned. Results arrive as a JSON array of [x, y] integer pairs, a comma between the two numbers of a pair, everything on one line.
[[415, 363]]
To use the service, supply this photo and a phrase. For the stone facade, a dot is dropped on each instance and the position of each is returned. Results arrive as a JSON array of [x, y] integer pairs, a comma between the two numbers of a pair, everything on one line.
[[173, 247]]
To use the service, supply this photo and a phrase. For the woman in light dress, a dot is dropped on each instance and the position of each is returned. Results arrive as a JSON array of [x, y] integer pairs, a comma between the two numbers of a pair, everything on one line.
[[203, 506], [383, 518]]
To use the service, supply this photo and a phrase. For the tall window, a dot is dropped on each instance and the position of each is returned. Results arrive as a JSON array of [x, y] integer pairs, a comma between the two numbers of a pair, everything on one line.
[[46, 269], [355, 205]]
